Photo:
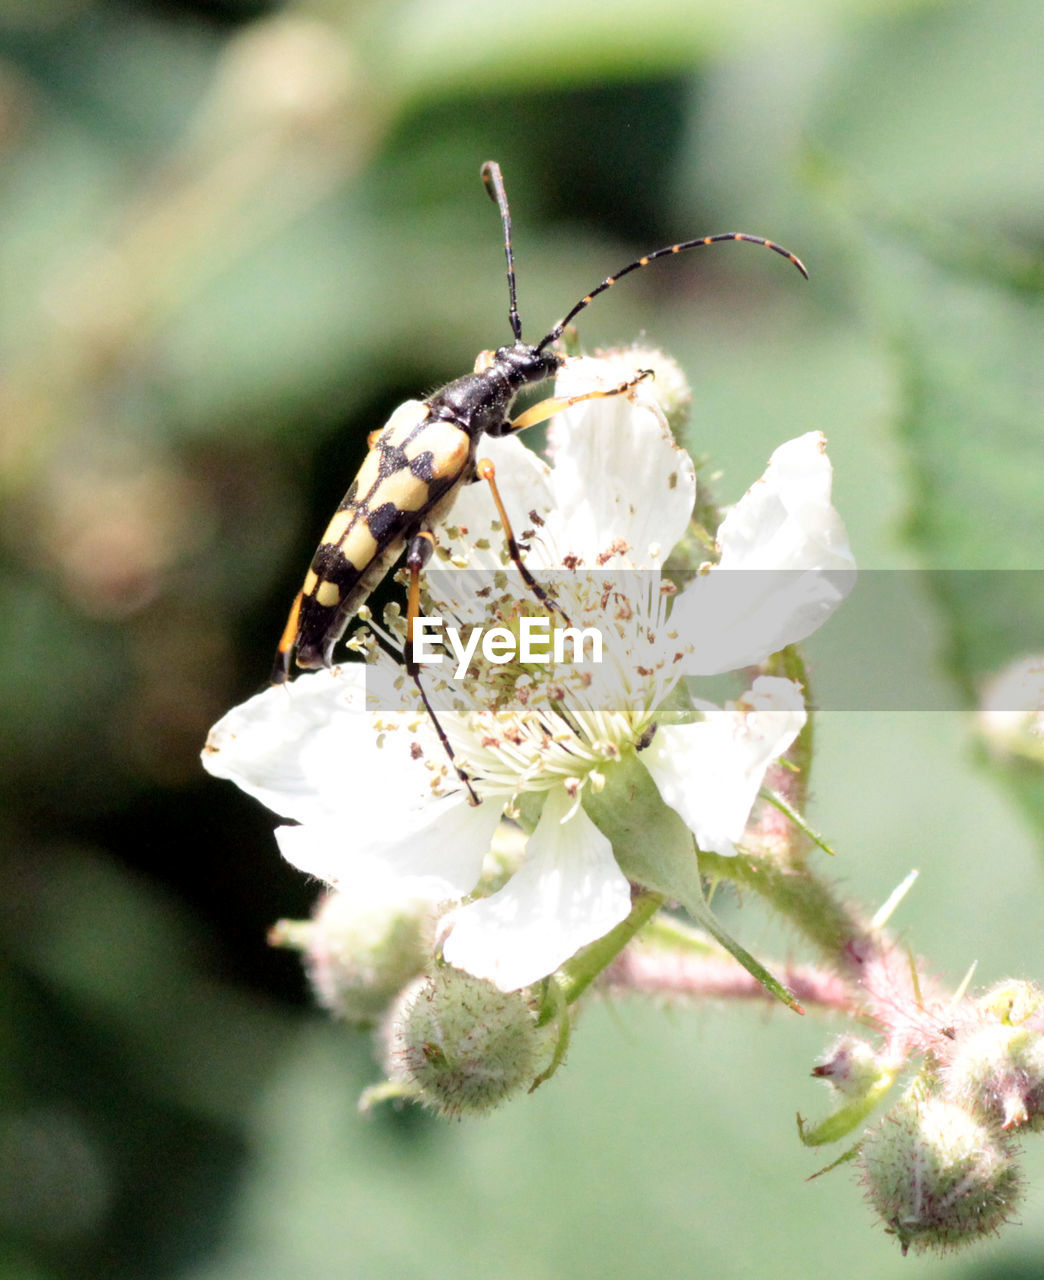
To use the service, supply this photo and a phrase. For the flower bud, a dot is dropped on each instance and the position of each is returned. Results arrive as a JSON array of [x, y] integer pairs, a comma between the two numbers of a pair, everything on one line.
[[360, 950], [939, 1176], [1011, 715], [1014, 1002], [464, 1045], [669, 386], [850, 1066], [999, 1070]]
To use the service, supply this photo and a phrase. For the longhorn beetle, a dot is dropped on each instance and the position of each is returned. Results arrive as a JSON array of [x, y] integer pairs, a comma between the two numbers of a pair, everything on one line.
[[416, 464]]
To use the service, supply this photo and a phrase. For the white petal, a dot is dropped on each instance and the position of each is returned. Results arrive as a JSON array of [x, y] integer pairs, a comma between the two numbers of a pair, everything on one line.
[[710, 772], [728, 620], [568, 892], [785, 567], [309, 751], [436, 851], [369, 887], [618, 477], [786, 520], [1011, 713]]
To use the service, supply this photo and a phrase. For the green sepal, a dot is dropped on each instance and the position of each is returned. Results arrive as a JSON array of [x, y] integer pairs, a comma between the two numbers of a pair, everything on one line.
[[778, 801], [847, 1117], [844, 1158], [836, 1125], [577, 974], [388, 1091], [554, 1008], [654, 848]]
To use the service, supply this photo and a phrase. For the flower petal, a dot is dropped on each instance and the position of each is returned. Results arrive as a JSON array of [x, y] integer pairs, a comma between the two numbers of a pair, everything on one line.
[[568, 892], [731, 620], [786, 520], [785, 566], [710, 772], [435, 851], [308, 751], [618, 477]]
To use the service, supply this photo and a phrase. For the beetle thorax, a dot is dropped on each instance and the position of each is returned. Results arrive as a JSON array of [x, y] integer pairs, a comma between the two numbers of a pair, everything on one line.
[[523, 365], [481, 401]]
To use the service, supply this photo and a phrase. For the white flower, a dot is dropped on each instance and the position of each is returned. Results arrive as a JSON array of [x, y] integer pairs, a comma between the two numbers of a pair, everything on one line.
[[599, 523], [1011, 709], [785, 566]]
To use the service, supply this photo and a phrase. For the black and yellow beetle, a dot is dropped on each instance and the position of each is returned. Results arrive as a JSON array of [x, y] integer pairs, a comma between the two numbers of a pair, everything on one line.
[[418, 461]]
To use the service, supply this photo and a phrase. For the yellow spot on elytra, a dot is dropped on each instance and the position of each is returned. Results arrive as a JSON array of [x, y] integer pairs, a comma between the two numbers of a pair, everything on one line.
[[368, 476], [337, 528], [328, 594], [402, 489], [406, 418], [448, 445], [311, 579], [360, 546]]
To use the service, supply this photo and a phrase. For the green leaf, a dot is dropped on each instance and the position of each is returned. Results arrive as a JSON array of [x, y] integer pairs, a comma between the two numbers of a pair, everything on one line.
[[966, 348]]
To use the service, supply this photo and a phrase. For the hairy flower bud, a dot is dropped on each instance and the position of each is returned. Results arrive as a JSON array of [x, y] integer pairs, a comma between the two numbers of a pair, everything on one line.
[[999, 1070], [850, 1066], [939, 1175], [1015, 1002], [464, 1045], [670, 386], [360, 950]]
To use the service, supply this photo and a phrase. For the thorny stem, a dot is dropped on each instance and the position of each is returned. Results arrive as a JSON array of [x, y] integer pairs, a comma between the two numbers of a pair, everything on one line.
[[883, 983], [796, 894], [664, 971]]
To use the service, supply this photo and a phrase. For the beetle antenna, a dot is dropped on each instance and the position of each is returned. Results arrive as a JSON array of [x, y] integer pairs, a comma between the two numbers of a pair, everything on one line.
[[495, 186], [644, 261]]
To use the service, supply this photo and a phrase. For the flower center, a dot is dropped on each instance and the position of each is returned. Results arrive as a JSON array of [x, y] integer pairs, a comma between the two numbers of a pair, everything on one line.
[[524, 719]]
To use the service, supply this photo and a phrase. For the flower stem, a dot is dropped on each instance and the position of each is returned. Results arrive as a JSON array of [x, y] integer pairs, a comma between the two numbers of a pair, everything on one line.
[[795, 893], [578, 974]]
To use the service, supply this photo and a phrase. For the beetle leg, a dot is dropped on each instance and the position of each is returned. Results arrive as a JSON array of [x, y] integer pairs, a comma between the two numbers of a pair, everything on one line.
[[485, 470], [558, 404], [421, 546]]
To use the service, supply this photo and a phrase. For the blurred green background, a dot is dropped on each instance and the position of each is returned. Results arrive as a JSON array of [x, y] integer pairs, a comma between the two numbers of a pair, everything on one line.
[[233, 236]]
